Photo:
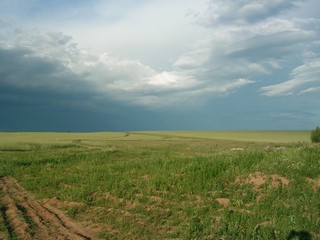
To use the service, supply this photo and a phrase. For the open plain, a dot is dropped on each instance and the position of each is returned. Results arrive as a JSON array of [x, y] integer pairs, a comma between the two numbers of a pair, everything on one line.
[[160, 185]]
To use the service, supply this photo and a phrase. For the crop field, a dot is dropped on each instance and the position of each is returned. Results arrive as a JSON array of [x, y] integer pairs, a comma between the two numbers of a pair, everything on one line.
[[160, 185]]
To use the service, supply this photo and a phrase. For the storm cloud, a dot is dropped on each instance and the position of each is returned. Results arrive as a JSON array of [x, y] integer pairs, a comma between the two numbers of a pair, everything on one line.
[[126, 61]]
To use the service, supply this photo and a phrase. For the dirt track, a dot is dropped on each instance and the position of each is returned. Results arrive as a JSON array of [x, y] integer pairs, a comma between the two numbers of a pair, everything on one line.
[[22, 217]]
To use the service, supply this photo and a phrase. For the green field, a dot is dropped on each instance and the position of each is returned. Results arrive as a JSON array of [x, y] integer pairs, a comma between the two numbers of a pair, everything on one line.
[[173, 185], [254, 136]]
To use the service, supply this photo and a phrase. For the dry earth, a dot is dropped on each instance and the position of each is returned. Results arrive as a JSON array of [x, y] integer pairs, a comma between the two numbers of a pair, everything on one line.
[[23, 217], [258, 179]]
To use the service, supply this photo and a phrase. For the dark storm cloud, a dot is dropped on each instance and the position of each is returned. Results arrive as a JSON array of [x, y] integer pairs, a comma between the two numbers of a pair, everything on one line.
[[22, 69], [253, 61]]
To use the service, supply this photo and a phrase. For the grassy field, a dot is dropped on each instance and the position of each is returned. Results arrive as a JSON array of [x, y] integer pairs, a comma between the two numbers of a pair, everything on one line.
[[255, 136], [173, 185]]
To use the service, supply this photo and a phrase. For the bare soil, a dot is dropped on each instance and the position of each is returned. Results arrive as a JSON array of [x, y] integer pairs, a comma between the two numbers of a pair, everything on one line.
[[223, 201], [258, 179], [315, 182], [23, 217]]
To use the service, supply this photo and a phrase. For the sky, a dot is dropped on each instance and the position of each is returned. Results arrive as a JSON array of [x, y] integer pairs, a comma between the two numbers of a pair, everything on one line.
[[129, 65]]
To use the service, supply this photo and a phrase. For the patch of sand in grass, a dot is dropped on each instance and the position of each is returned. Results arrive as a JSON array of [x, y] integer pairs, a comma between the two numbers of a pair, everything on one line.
[[278, 181], [128, 204], [258, 179], [60, 204], [33, 219], [223, 201], [156, 199], [110, 196], [93, 226], [315, 182], [255, 179], [193, 198]]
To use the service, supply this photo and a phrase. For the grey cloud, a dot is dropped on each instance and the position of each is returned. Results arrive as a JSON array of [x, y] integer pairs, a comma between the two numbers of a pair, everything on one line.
[[254, 50], [308, 24], [53, 62], [244, 11], [47, 80], [21, 69], [304, 79], [276, 45], [310, 90], [3, 23]]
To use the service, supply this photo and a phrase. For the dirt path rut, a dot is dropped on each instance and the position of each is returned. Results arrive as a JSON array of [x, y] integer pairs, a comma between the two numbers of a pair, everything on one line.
[[22, 217]]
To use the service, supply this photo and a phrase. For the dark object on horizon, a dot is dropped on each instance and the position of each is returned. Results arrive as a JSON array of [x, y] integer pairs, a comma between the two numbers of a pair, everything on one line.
[[315, 135], [302, 235]]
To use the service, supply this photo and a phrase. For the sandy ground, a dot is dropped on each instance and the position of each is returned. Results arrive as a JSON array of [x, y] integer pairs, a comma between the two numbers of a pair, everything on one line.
[[23, 217]]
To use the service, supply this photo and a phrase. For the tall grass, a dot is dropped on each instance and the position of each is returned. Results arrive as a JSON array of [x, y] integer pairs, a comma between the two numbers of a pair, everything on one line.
[[166, 189]]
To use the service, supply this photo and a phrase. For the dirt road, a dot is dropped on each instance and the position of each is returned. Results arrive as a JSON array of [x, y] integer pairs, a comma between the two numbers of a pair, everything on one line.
[[22, 217]]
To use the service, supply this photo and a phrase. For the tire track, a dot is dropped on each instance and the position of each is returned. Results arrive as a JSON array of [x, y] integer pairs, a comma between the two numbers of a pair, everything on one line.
[[25, 218]]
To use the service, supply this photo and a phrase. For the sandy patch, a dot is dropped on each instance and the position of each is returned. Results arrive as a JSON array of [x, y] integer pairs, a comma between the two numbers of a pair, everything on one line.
[[258, 179], [314, 182], [32, 219], [223, 201], [60, 204]]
